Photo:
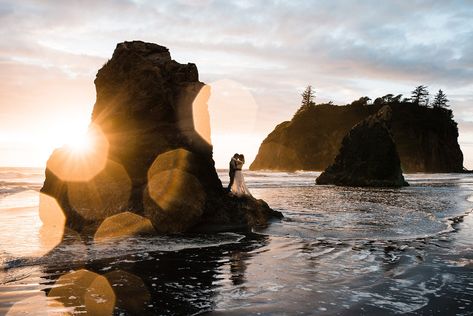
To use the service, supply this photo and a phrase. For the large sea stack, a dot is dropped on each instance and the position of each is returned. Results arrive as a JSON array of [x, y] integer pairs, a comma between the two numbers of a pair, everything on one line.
[[367, 157], [151, 155], [426, 138]]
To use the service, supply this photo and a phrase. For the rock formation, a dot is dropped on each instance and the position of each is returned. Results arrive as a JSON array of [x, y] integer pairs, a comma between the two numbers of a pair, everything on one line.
[[426, 138], [367, 157], [151, 152]]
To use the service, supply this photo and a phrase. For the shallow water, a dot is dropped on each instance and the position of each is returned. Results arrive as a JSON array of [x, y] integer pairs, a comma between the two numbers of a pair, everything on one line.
[[338, 251]]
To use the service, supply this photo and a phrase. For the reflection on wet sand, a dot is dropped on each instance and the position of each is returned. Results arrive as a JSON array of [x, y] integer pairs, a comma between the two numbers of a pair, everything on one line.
[[156, 283], [84, 290], [360, 255], [43, 307]]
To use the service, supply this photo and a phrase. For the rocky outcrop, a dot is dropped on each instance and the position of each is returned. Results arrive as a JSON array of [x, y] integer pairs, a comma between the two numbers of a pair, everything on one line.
[[367, 157], [425, 138], [151, 152]]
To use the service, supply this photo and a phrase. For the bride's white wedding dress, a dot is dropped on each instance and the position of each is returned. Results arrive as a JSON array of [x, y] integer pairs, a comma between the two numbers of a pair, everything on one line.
[[239, 187]]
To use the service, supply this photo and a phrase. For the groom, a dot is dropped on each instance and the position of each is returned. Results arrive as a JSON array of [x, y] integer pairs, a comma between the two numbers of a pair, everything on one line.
[[231, 171]]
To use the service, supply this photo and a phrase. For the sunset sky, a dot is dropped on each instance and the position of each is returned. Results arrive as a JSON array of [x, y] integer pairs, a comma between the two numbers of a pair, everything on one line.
[[257, 55]]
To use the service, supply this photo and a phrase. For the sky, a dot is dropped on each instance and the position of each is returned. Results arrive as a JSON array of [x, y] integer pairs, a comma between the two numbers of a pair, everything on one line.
[[258, 56]]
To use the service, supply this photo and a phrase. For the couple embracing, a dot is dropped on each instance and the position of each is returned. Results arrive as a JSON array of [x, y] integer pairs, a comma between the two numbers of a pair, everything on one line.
[[237, 184]]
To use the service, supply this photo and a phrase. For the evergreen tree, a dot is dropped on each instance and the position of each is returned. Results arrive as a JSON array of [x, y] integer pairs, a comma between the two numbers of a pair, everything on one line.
[[308, 97], [363, 101], [397, 98], [420, 96], [440, 100], [388, 98]]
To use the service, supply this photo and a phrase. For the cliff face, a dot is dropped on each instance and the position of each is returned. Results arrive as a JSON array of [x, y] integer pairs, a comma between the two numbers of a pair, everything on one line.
[[426, 138], [368, 156], [151, 154]]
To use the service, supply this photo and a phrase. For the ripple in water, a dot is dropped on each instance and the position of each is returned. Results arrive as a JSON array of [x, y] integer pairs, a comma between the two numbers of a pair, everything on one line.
[[338, 251]]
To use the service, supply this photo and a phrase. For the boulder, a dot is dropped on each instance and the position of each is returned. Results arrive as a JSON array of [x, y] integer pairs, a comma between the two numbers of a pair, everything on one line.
[[150, 151], [367, 157], [244, 212]]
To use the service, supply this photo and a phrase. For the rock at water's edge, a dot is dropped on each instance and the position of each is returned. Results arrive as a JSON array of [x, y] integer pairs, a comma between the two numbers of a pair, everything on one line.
[[152, 154], [368, 156]]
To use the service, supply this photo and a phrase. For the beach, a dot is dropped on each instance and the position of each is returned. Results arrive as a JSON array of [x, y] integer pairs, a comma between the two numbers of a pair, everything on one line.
[[338, 251]]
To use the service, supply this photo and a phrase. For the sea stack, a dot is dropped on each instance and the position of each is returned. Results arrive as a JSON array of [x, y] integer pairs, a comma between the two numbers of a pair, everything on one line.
[[426, 138], [367, 157], [151, 153]]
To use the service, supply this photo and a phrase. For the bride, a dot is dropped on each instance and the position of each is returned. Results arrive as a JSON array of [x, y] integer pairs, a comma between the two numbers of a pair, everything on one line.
[[239, 187]]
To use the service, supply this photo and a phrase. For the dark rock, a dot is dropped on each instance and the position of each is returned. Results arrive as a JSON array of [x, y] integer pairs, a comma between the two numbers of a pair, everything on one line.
[[246, 212], [151, 153], [367, 157], [426, 138]]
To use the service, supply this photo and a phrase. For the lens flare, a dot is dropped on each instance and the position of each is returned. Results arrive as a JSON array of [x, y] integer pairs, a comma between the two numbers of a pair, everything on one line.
[[52, 232], [80, 143], [76, 163], [87, 291], [123, 225], [50, 213], [100, 298], [200, 113], [174, 198], [106, 194], [192, 113]]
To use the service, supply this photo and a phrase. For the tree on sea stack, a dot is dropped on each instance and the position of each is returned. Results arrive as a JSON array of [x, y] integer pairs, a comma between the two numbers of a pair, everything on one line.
[[363, 101], [420, 96], [308, 97], [440, 100]]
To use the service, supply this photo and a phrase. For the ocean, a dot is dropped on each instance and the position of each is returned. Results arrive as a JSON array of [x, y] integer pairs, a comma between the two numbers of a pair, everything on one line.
[[338, 251]]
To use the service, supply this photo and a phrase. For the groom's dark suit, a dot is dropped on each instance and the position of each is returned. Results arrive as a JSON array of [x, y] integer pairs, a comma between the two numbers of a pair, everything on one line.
[[231, 172]]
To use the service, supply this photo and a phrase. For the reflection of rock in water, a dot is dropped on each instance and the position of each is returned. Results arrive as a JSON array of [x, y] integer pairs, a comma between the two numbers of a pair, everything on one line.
[[84, 290], [150, 154], [131, 292], [238, 266], [96, 294], [157, 283]]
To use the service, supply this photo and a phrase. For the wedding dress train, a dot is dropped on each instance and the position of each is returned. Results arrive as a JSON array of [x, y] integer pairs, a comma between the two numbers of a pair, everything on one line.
[[239, 187]]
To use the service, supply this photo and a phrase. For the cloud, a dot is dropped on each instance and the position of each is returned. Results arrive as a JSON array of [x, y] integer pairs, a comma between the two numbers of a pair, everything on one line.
[[346, 49]]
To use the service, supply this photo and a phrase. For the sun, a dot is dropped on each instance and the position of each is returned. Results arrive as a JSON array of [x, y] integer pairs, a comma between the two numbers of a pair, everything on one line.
[[79, 143], [82, 157]]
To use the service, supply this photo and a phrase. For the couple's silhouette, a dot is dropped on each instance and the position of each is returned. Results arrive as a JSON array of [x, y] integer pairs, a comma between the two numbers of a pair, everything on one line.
[[237, 184]]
